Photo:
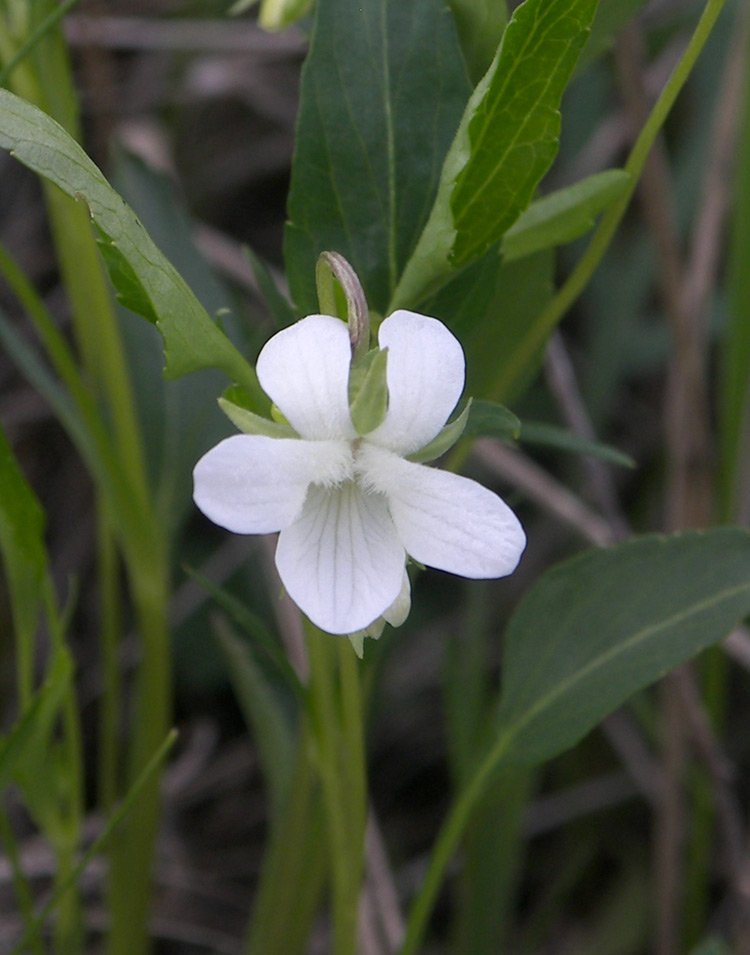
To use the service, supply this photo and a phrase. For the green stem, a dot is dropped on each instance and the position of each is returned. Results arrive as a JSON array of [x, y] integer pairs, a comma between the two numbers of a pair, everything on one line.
[[447, 843], [115, 820], [336, 720], [142, 540], [109, 737], [587, 265], [295, 856], [455, 824], [132, 848], [20, 882], [48, 24]]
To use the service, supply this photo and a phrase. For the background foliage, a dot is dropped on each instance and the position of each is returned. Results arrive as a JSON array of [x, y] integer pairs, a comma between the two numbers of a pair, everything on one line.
[[632, 420]]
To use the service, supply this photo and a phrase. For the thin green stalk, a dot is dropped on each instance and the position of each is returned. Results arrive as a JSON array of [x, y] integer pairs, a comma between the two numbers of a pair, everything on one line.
[[455, 824], [132, 849], [109, 634], [20, 882], [115, 820], [589, 261], [295, 856], [143, 540], [68, 934], [446, 845], [47, 25], [336, 720]]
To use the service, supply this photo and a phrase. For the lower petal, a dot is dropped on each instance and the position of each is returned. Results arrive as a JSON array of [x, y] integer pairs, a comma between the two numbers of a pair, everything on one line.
[[341, 561], [447, 521]]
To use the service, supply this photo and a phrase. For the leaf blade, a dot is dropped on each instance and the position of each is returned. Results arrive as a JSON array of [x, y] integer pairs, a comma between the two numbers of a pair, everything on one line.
[[607, 623], [147, 279], [505, 143], [366, 167]]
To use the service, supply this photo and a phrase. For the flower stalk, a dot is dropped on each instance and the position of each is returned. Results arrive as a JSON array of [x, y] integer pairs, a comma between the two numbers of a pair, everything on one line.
[[332, 268], [335, 710]]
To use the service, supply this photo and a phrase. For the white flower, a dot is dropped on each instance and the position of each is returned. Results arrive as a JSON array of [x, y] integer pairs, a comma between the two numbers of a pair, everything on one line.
[[350, 508]]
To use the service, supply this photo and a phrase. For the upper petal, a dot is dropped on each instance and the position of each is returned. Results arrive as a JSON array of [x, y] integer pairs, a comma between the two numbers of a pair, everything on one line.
[[304, 369], [444, 520], [426, 372], [341, 561], [253, 484]]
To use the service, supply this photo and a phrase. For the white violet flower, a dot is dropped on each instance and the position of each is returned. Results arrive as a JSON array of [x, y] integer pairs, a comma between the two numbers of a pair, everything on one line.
[[350, 508]]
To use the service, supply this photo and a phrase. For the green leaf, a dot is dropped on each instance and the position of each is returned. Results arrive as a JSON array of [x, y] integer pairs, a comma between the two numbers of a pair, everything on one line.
[[564, 215], [611, 17], [711, 946], [24, 746], [22, 547], [735, 346], [595, 629], [268, 720], [480, 26], [382, 94], [507, 140], [263, 641], [551, 436], [280, 308], [370, 402], [446, 439], [488, 419], [147, 281], [490, 307]]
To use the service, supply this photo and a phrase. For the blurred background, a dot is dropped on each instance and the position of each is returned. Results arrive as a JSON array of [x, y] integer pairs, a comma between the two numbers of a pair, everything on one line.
[[191, 115]]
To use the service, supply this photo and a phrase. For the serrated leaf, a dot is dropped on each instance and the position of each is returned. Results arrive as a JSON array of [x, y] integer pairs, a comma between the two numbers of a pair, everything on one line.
[[382, 93], [128, 290], [552, 436], [507, 140], [445, 439], [594, 630], [564, 215], [191, 340]]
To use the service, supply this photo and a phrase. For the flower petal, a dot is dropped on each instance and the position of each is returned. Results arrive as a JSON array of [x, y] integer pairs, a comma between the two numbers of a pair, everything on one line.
[[426, 372], [444, 520], [341, 561], [253, 484], [399, 610], [304, 369]]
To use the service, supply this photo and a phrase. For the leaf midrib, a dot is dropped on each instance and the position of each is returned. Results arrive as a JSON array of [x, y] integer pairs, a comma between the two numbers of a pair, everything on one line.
[[563, 687]]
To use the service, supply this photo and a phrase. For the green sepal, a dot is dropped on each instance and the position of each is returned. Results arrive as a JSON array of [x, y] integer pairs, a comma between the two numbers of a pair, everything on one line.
[[279, 417], [445, 440], [251, 423], [368, 391], [491, 420], [374, 632]]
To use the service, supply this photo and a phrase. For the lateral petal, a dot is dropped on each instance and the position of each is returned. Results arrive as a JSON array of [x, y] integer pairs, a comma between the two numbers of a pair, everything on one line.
[[426, 373], [341, 561], [304, 370], [253, 484], [444, 520]]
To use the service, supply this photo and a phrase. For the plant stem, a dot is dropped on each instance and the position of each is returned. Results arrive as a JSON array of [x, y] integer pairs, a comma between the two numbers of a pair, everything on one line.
[[335, 708], [589, 261]]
